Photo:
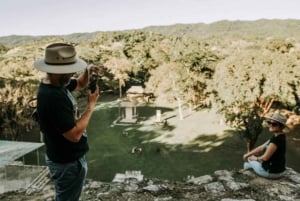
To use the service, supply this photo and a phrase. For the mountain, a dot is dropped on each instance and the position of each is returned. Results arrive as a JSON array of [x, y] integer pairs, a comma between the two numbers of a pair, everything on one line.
[[289, 28], [259, 28]]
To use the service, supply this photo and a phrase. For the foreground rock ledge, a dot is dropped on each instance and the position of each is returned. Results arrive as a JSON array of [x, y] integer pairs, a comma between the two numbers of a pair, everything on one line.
[[223, 185]]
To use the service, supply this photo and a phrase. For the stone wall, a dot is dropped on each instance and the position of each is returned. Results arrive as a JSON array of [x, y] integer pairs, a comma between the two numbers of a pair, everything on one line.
[[223, 185]]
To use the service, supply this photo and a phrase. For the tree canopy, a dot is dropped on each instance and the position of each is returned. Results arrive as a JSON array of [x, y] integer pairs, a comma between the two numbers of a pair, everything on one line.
[[231, 69]]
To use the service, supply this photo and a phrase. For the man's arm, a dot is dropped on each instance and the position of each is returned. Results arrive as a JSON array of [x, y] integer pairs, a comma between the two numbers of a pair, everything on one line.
[[83, 79], [75, 133]]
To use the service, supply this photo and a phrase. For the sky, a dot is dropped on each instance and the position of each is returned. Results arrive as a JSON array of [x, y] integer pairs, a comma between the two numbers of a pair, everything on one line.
[[60, 17]]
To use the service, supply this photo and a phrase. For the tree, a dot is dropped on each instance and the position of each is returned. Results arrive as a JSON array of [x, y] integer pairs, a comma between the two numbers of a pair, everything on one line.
[[15, 113], [245, 118], [167, 82], [248, 78], [120, 68]]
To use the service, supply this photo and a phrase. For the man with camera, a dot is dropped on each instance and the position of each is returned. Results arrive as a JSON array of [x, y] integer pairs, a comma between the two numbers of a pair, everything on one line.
[[64, 129]]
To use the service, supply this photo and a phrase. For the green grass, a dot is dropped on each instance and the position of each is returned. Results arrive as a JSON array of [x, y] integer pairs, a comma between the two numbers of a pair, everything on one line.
[[205, 152], [173, 158], [110, 149]]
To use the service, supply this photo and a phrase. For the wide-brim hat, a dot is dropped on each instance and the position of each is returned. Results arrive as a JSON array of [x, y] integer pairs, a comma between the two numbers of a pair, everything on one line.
[[60, 58], [278, 118]]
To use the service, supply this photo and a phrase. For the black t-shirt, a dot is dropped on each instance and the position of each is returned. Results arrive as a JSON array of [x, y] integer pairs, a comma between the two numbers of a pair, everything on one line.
[[57, 111], [276, 163]]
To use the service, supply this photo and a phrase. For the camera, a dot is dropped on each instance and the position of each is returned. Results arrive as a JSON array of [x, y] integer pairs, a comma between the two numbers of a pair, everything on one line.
[[93, 83]]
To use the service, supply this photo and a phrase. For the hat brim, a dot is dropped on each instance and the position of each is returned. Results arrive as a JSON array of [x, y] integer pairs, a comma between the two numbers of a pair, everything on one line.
[[79, 65], [270, 118]]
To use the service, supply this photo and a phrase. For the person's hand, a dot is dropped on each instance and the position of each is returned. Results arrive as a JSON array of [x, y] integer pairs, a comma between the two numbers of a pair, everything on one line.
[[245, 157], [93, 97], [252, 158], [96, 69]]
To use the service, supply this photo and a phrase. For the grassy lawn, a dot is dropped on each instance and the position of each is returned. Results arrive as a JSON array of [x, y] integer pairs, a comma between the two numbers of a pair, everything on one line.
[[195, 146]]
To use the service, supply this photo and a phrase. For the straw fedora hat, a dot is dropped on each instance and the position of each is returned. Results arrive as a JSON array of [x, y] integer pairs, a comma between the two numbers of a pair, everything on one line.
[[60, 58], [278, 118]]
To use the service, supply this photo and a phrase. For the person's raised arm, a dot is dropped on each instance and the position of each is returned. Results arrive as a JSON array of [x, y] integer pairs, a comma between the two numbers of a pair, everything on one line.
[[77, 131]]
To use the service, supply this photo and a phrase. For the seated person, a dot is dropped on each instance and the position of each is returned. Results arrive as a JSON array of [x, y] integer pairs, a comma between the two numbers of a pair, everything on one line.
[[268, 160]]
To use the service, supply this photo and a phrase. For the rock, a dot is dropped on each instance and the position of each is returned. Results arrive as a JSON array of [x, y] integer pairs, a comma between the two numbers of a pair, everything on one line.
[[200, 180], [152, 188], [228, 199], [163, 198], [131, 187], [214, 187], [235, 186], [95, 185], [224, 175]]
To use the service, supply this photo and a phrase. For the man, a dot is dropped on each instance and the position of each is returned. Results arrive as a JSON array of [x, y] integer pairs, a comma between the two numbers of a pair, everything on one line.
[[63, 128]]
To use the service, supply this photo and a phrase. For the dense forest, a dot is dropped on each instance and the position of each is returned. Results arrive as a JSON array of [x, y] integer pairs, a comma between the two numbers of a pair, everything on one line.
[[242, 68]]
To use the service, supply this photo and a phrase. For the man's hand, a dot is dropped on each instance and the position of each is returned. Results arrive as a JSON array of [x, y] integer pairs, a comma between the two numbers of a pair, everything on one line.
[[93, 97], [99, 69]]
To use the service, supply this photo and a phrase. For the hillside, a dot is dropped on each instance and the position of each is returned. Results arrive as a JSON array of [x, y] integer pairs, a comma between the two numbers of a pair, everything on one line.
[[17, 40], [259, 28]]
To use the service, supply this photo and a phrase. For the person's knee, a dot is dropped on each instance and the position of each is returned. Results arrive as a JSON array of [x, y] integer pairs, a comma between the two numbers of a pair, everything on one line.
[[247, 166]]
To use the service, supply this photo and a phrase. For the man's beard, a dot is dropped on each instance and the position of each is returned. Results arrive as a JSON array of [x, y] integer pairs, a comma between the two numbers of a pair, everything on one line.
[[64, 80]]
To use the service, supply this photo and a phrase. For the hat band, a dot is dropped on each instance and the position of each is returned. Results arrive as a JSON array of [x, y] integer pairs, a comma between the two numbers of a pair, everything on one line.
[[60, 63]]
